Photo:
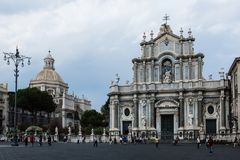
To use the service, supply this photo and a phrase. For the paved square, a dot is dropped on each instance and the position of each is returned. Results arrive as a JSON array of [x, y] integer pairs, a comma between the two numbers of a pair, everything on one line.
[[73, 151]]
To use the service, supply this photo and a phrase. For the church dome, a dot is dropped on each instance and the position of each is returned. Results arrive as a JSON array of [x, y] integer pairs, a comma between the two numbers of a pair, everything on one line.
[[48, 73]]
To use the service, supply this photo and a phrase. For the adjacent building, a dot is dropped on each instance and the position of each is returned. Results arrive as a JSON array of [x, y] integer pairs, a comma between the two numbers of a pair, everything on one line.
[[3, 106], [234, 73], [69, 106], [169, 95]]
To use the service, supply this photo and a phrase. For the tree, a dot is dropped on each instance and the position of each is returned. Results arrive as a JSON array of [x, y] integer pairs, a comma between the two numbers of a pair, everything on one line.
[[91, 119], [34, 101], [105, 110]]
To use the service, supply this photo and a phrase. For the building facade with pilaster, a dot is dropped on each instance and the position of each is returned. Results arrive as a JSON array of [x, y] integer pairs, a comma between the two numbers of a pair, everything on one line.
[[3, 106], [234, 73], [169, 96]]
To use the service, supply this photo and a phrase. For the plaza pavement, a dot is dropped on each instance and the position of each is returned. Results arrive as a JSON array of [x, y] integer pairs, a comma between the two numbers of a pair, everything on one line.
[[73, 151]]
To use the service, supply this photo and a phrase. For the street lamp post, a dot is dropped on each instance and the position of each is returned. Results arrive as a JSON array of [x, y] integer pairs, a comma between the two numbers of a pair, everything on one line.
[[17, 59]]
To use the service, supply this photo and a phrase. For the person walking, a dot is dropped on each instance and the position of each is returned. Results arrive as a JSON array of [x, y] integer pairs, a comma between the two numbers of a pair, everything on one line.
[[206, 142], [176, 141], [156, 142], [95, 142], [110, 140], [26, 141], [198, 142], [49, 140], [210, 144], [40, 140], [235, 142], [32, 139]]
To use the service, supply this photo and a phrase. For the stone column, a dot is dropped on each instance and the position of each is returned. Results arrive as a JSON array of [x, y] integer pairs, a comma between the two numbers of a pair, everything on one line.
[[152, 71], [144, 72], [227, 111], [152, 50], [200, 114], [181, 42], [160, 73], [199, 68], [181, 117], [222, 106], [135, 105], [135, 72], [152, 112], [190, 68], [64, 119], [116, 118], [112, 115], [181, 69]]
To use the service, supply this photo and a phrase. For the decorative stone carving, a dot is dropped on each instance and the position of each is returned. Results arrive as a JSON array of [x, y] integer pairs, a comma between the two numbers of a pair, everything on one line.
[[167, 77], [56, 130], [144, 121], [190, 120]]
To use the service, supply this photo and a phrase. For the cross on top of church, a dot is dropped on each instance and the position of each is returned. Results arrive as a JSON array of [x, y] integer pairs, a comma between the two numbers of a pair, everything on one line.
[[166, 18]]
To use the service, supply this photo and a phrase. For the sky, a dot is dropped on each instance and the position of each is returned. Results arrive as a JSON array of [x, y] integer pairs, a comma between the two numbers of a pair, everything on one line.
[[93, 40]]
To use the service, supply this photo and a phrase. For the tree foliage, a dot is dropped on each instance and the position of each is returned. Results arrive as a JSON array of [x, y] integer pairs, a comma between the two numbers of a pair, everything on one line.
[[34, 101], [105, 110], [91, 119]]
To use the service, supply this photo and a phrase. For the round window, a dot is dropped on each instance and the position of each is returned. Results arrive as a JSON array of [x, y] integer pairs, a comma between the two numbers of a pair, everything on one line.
[[126, 112], [210, 109]]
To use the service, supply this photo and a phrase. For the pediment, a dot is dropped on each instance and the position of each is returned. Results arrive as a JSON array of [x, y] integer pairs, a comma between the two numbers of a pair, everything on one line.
[[167, 103]]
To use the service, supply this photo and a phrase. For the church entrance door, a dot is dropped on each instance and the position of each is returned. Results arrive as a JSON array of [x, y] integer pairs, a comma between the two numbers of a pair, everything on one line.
[[211, 126], [126, 125], [167, 127]]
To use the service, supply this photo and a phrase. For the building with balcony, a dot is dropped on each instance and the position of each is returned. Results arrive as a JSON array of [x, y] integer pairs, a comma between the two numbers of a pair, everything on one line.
[[169, 96]]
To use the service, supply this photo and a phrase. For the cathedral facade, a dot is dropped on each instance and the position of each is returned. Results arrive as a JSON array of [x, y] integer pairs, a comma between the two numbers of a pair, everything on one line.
[[69, 106], [169, 96]]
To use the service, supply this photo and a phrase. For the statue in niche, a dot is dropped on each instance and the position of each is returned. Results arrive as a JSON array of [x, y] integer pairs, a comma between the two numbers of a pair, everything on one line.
[[167, 77], [167, 67], [190, 120], [143, 121]]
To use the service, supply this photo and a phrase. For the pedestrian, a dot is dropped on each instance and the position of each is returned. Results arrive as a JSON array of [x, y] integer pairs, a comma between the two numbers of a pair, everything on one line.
[[110, 140], [120, 139], [198, 142], [84, 138], [206, 142], [235, 142], [176, 141], [95, 142], [32, 139], [40, 140], [210, 144], [49, 140], [156, 141], [26, 141]]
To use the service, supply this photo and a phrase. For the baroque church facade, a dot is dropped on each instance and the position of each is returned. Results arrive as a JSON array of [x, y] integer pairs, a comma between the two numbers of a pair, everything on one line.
[[169, 96], [69, 106]]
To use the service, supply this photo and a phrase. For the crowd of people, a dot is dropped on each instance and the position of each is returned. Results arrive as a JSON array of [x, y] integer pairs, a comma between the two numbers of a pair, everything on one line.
[[32, 139]]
